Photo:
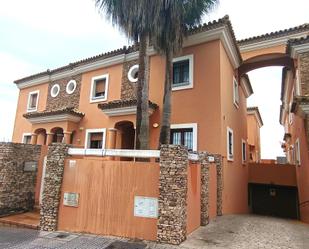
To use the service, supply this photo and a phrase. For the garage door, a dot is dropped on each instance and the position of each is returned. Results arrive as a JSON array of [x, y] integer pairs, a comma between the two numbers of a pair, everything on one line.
[[274, 200]]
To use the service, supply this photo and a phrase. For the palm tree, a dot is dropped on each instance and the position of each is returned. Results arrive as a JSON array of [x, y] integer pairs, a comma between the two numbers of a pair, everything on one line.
[[135, 18], [174, 19]]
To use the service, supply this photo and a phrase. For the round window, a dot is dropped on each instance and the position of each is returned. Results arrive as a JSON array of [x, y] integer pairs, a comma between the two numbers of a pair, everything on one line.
[[71, 86], [55, 90], [133, 73]]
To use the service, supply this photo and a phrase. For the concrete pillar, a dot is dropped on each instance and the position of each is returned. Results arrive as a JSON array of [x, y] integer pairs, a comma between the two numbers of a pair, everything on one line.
[[172, 220], [34, 138], [67, 137], [112, 136], [49, 138]]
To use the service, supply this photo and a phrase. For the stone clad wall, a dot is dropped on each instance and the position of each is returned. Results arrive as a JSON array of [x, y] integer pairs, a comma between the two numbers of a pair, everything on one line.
[[219, 167], [204, 188], [64, 100], [304, 73], [172, 221], [16, 186], [128, 89], [56, 155]]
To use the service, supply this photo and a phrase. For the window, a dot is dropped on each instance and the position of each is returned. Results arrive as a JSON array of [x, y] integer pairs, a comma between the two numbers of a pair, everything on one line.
[[95, 139], [133, 74], [243, 151], [99, 86], [235, 92], [71, 86], [26, 138], [33, 100], [183, 72], [230, 145], [297, 152], [184, 134], [54, 91]]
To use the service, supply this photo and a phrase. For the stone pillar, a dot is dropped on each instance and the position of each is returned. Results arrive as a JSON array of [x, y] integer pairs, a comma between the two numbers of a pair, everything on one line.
[[172, 220], [219, 166], [49, 138], [57, 152], [34, 138], [204, 188], [67, 137]]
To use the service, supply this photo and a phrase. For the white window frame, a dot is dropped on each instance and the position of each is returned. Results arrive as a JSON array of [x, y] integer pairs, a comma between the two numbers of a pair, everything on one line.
[[191, 72], [68, 85], [235, 92], [37, 101], [192, 126], [24, 135], [92, 89], [54, 95], [230, 157], [243, 153], [87, 137], [297, 152]]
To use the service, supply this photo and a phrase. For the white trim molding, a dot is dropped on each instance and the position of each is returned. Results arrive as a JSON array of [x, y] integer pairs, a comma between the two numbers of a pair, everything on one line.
[[123, 111], [87, 137], [191, 72], [235, 92], [297, 152], [37, 101], [186, 126], [230, 157], [26, 134], [299, 49], [55, 118], [92, 89]]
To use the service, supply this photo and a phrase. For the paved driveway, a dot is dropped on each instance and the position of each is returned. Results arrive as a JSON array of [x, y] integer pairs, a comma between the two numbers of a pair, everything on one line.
[[231, 231]]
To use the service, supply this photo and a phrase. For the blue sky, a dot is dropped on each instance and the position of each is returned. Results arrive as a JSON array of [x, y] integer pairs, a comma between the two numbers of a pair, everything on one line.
[[39, 34]]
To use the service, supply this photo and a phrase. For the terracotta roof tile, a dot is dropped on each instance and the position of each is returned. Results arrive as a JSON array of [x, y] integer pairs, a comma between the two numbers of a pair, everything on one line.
[[277, 34], [125, 50], [296, 42], [69, 110], [123, 103]]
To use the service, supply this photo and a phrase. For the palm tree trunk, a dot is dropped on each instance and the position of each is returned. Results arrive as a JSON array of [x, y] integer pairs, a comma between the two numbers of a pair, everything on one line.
[[166, 114], [142, 115]]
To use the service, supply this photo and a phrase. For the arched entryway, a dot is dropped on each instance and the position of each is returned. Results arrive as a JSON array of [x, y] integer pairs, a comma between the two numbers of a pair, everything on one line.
[[126, 140], [57, 135], [40, 136]]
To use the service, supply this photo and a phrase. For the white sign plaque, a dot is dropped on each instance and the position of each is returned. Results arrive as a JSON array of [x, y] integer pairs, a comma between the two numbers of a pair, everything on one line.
[[70, 199], [211, 159], [72, 163], [145, 207]]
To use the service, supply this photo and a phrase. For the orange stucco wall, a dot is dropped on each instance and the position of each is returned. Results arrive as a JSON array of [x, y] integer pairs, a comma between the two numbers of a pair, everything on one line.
[[235, 173], [269, 50], [106, 197], [298, 131], [254, 136], [194, 198], [284, 175]]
